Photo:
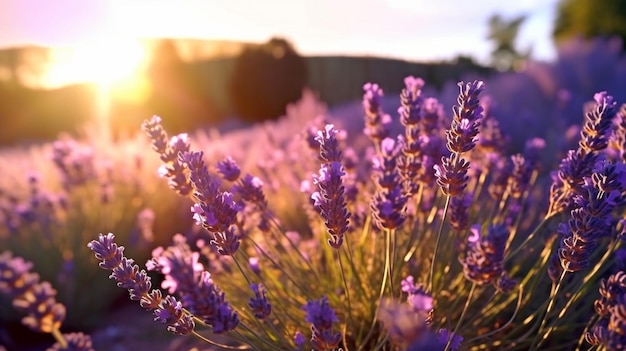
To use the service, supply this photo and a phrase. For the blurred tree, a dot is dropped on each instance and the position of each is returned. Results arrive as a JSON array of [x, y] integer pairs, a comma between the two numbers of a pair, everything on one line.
[[503, 33], [590, 18], [265, 79]]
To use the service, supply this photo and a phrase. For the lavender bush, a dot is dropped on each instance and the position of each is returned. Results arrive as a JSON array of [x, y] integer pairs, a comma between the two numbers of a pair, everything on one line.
[[430, 239], [54, 196]]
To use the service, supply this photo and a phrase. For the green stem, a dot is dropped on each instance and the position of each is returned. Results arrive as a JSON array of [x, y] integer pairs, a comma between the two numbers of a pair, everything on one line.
[[458, 323], [539, 339], [431, 274]]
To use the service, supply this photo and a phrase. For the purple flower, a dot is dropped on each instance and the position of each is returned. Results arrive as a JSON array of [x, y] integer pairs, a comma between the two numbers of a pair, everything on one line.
[[169, 151], [29, 295], [452, 175], [463, 131], [597, 127], [185, 276], [417, 297], [299, 340], [250, 189], [484, 259], [389, 208], [455, 340], [229, 169], [610, 330], [411, 100], [329, 200], [590, 220], [580, 163], [179, 265], [75, 162], [404, 324], [258, 304], [321, 317], [138, 284], [376, 122], [459, 211], [75, 342], [170, 312], [329, 145]]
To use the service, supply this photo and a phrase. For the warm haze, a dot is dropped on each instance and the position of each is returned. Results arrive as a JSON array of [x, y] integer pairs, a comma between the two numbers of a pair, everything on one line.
[[408, 29]]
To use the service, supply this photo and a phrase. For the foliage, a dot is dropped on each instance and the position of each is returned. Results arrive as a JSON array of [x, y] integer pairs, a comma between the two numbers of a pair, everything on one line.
[[276, 61], [503, 33], [590, 18]]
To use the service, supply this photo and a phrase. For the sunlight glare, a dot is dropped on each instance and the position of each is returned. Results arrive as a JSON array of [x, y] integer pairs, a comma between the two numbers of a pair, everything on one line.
[[104, 63]]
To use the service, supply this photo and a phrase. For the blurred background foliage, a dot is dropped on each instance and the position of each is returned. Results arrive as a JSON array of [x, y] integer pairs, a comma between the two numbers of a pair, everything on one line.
[[206, 88], [590, 19]]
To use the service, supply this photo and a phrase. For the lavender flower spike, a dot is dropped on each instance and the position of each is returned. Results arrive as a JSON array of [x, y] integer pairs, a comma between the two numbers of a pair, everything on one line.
[[461, 138], [330, 200], [35, 298], [322, 316], [128, 276], [259, 304], [330, 203], [484, 259]]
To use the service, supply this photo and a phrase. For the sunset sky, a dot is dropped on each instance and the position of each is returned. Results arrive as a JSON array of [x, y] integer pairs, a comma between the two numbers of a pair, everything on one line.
[[408, 29]]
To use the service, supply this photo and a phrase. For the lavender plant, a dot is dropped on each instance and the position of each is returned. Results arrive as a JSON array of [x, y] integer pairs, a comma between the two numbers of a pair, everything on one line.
[[53, 196], [437, 240], [37, 300]]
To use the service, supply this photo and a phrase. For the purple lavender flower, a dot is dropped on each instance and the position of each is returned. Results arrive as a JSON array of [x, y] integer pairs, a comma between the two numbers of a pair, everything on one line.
[[169, 151], [258, 304], [461, 138], [590, 220], [329, 200], [452, 175], [610, 330], [406, 326], [417, 297], [329, 145], [411, 101], [580, 163], [29, 295], [330, 203], [75, 342], [44, 314], [459, 211], [597, 127], [484, 259], [214, 210], [389, 208], [388, 204], [185, 276], [299, 340], [250, 189], [138, 283], [178, 264], [463, 131], [519, 180], [74, 162], [376, 122], [229, 169], [321, 317], [444, 335]]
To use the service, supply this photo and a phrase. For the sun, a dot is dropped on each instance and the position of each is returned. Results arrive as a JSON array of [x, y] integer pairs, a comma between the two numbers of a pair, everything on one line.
[[104, 62]]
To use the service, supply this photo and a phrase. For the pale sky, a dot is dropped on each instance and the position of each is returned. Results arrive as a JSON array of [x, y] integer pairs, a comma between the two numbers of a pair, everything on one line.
[[407, 29]]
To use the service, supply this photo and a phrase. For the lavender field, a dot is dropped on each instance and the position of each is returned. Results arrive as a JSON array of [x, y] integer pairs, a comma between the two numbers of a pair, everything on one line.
[[489, 215]]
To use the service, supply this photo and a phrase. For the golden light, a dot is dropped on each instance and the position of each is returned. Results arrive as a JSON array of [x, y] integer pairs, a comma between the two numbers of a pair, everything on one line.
[[115, 66], [103, 62]]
